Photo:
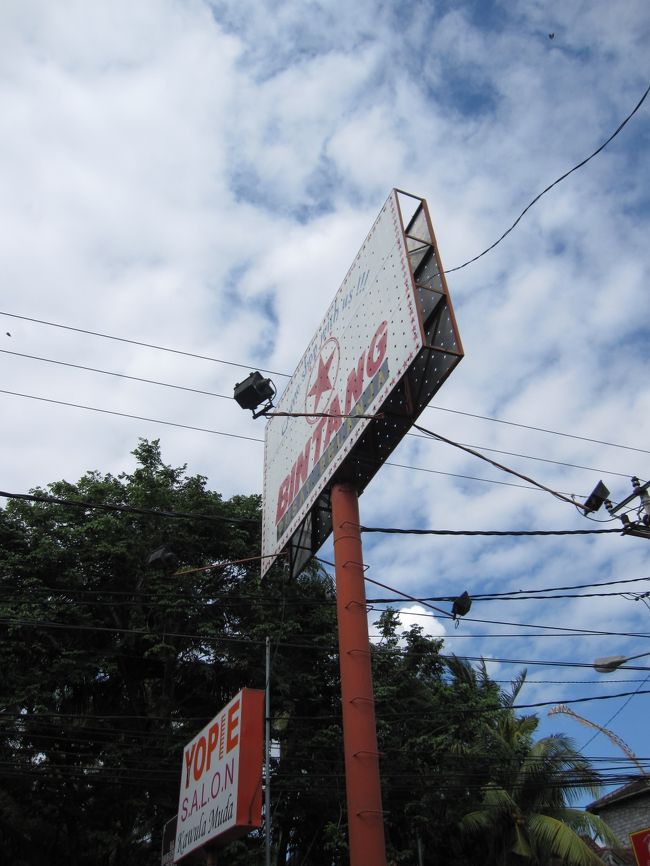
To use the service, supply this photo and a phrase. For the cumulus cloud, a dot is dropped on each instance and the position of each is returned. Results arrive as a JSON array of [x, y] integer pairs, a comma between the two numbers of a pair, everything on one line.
[[200, 175]]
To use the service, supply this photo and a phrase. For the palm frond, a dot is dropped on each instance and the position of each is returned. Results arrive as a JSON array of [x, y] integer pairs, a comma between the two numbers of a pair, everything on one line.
[[587, 824], [554, 836]]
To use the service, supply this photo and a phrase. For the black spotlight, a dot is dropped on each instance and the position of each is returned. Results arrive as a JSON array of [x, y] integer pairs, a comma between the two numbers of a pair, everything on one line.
[[461, 605], [163, 558], [254, 391], [596, 498]]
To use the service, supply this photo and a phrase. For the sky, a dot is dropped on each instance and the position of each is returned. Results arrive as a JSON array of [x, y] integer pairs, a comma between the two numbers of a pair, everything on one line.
[[198, 175]]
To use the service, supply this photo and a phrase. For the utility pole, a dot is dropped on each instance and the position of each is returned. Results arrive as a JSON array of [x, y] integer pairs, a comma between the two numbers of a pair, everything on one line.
[[267, 755], [640, 527]]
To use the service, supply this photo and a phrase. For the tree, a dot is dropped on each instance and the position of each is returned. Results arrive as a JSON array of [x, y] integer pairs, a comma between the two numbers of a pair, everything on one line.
[[525, 815], [430, 715], [110, 666]]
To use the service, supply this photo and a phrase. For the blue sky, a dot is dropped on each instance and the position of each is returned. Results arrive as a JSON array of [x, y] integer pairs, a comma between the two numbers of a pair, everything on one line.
[[199, 175]]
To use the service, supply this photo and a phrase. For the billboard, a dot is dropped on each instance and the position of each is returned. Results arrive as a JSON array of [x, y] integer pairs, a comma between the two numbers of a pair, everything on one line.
[[386, 344], [221, 777]]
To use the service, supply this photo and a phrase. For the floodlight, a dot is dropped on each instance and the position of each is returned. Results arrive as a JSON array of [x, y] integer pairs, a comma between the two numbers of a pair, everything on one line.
[[253, 391], [163, 558], [596, 498]]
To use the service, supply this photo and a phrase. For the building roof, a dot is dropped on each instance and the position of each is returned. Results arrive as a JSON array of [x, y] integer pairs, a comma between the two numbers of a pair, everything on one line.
[[610, 856], [636, 788]]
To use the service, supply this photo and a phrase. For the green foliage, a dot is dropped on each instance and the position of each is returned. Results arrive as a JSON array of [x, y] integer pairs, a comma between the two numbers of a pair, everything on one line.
[[524, 815], [110, 666]]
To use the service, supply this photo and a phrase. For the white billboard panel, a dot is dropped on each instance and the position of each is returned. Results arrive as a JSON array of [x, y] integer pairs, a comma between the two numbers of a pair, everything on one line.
[[221, 777], [368, 339]]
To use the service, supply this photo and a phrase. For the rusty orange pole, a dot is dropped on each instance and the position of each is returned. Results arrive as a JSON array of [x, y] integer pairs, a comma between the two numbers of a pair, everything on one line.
[[365, 815]]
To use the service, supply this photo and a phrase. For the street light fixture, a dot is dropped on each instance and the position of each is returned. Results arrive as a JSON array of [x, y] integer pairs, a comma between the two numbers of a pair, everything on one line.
[[607, 664]]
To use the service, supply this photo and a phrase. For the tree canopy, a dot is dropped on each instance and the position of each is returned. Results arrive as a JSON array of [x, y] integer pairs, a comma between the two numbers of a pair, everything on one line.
[[110, 665]]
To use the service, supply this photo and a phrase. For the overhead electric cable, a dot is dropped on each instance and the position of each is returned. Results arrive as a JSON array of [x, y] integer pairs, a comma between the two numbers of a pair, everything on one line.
[[102, 506], [464, 477], [240, 436], [541, 459], [287, 376], [489, 532], [554, 628], [494, 463], [540, 429], [313, 645], [477, 598], [118, 375], [137, 343], [570, 586], [637, 691], [139, 595], [551, 185], [230, 397], [127, 509], [408, 597], [129, 415]]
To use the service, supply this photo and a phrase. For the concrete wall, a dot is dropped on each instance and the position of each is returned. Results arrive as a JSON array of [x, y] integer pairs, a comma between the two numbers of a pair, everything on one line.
[[627, 817]]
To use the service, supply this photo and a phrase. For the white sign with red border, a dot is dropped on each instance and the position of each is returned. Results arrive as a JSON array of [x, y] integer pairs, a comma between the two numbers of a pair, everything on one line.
[[221, 778], [370, 335]]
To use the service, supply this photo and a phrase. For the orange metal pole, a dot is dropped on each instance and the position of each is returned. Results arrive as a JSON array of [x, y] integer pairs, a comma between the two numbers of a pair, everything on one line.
[[365, 815]]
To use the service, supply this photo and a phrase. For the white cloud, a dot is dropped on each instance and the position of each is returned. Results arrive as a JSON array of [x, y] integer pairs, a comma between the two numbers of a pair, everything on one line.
[[200, 175], [409, 615]]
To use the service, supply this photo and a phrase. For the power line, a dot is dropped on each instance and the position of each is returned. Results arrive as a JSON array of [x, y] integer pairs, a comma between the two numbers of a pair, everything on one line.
[[137, 595], [571, 586], [527, 594], [553, 628], [129, 509], [129, 415], [137, 343], [540, 459], [239, 436], [540, 429], [497, 465], [126, 509], [287, 376], [200, 391], [480, 710], [550, 186], [230, 397], [387, 530], [118, 375], [313, 644], [637, 691]]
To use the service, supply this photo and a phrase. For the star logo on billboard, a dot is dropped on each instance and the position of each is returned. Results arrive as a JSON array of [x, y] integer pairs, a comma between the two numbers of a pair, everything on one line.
[[322, 379]]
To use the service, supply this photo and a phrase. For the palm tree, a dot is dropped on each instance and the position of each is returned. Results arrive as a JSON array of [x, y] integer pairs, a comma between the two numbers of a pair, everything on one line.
[[526, 815]]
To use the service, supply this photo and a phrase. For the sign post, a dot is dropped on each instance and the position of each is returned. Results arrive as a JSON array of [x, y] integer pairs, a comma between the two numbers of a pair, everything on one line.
[[363, 789]]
